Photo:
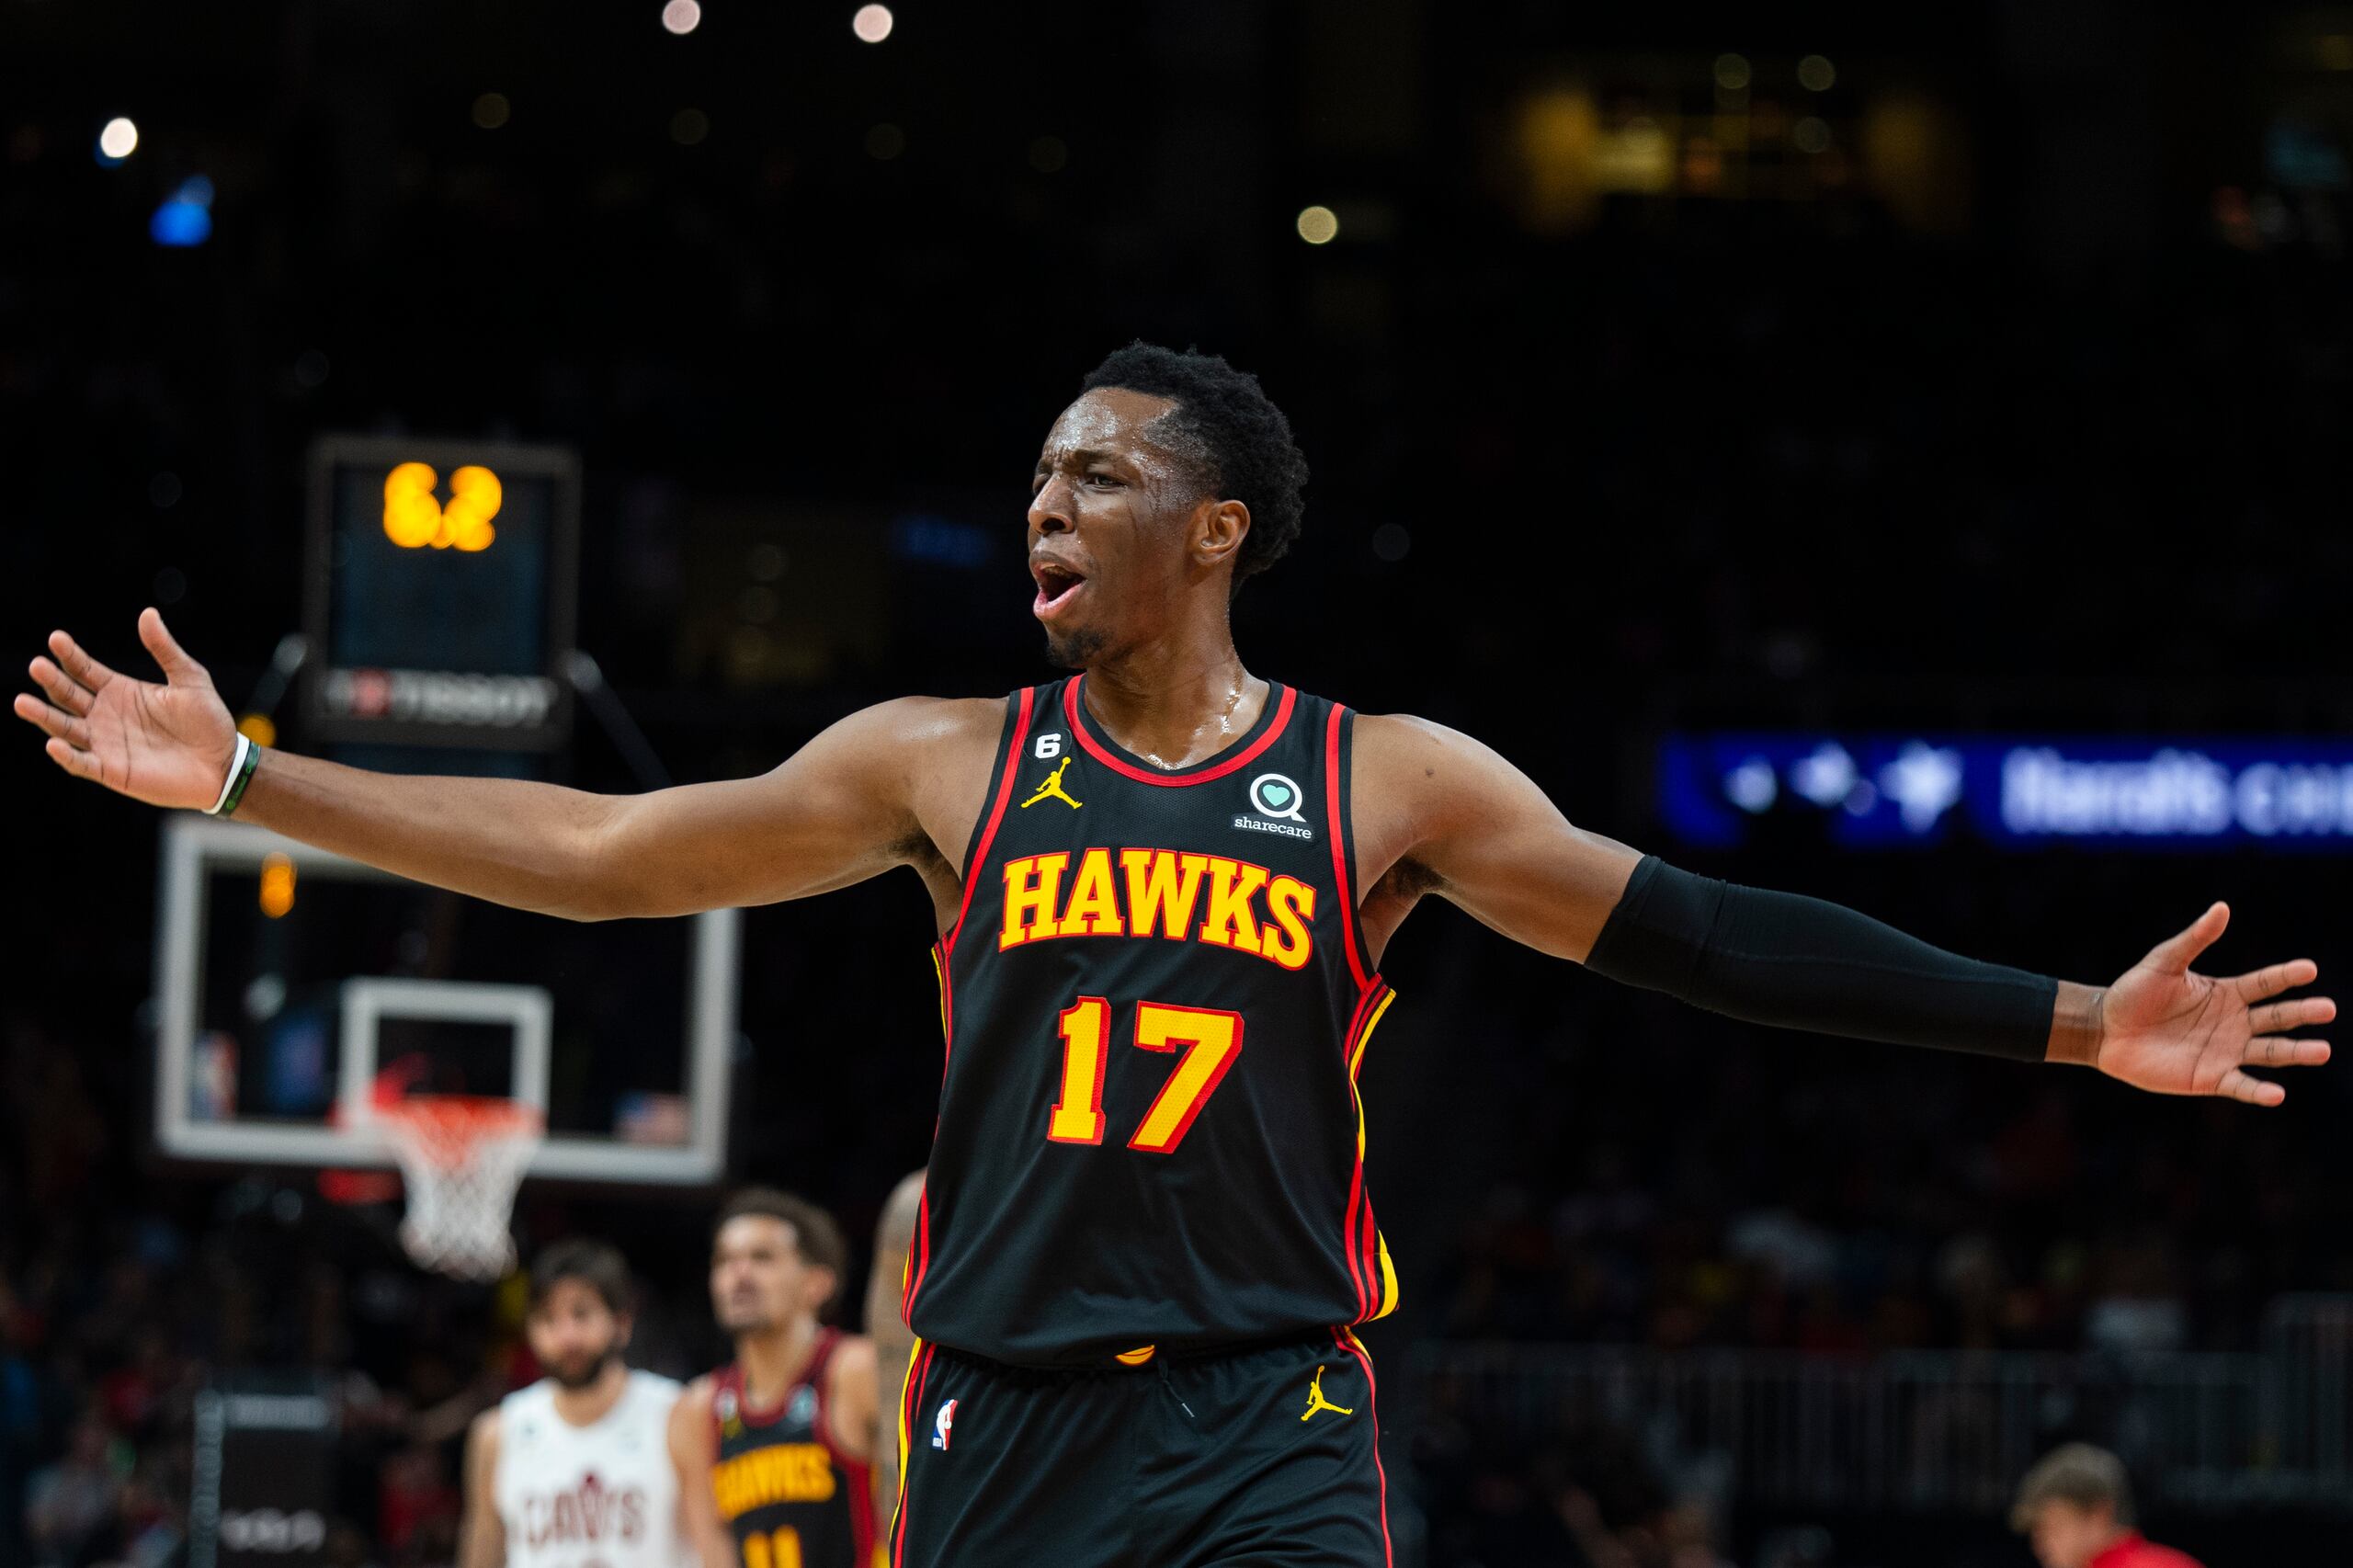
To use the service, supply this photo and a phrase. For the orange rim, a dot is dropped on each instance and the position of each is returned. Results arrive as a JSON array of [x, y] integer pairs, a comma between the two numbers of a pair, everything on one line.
[[447, 1127]]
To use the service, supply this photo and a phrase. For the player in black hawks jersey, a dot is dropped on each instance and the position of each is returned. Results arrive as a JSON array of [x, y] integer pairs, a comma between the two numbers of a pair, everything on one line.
[[1162, 887], [775, 1449]]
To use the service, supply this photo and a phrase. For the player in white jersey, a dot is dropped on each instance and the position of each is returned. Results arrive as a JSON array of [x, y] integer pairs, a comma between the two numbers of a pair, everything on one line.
[[575, 1470]]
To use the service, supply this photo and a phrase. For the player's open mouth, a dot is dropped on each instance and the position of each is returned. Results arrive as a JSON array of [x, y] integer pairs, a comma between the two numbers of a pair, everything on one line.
[[1057, 586]]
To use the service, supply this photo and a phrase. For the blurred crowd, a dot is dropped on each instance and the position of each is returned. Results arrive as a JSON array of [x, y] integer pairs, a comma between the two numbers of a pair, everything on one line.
[[1898, 1205]]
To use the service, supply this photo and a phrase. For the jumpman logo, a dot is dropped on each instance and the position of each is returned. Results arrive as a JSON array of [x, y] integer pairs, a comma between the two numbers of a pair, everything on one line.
[[1052, 788], [1316, 1399]]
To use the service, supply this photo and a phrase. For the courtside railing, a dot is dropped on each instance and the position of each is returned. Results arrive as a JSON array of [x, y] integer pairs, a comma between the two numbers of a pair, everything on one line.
[[1934, 1430]]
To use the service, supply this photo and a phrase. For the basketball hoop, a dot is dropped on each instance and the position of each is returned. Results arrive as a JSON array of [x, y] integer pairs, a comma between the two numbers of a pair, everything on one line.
[[462, 1158]]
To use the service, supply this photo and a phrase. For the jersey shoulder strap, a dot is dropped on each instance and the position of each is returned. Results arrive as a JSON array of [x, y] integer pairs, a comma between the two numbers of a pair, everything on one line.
[[726, 1408], [651, 1390], [1021, 708], [532, 1399], [821, 1355], [1336, 742]]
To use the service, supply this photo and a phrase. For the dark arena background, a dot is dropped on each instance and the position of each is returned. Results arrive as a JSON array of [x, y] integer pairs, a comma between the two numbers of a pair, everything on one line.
[[1897, 456]]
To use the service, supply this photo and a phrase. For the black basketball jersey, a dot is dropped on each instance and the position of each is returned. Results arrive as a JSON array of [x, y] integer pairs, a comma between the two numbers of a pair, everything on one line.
[[1155, 1000], [790, 1498]]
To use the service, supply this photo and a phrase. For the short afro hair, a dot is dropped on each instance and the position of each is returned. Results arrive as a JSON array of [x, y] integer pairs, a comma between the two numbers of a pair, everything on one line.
[[1242, 439]]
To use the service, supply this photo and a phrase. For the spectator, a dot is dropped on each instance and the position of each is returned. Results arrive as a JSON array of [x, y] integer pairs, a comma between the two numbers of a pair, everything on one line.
[[2075, 1509], [71, 1506]]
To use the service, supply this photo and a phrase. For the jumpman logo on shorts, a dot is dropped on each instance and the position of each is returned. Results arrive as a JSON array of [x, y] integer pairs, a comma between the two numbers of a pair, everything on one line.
[[1052, 788], [1316, 1399]]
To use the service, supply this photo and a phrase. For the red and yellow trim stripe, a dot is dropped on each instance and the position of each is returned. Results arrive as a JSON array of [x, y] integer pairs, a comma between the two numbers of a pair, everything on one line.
[[1073, 711], [1336, 829], [1369, 1267], [1351, 1346], [910, 1400]]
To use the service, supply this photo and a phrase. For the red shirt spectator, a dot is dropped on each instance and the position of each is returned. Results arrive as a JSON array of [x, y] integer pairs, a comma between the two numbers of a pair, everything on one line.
[[2133, 1550]]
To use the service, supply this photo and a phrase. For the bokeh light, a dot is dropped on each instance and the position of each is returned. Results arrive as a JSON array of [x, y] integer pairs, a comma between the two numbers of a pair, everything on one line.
[[277, 884], [1318, 225], [491, 110], [681, 17], [872, 23], [185, 218], [117, 140], [1732, 73], [1816, 74], [689, 127], [1809, 134]]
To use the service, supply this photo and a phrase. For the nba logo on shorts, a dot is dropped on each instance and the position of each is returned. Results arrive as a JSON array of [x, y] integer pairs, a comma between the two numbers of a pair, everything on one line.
[[942, 1423]]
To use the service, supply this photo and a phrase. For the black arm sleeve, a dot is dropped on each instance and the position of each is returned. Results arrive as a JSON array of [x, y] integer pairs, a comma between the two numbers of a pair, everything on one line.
[[1777, 958]]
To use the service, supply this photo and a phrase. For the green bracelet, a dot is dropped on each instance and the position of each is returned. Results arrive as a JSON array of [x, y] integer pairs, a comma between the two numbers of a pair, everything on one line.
[[237, 784]]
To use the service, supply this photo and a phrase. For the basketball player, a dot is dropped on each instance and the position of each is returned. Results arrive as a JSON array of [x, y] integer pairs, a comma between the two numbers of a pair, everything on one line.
[[1163, 886], [775, 1451], [573, 1472]]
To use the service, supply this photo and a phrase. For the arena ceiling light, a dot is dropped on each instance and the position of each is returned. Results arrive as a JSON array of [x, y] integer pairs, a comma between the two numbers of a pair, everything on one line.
[[117, 141]]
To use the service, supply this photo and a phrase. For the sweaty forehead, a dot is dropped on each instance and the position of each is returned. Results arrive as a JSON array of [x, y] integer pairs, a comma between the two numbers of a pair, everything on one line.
[[1115, 420]]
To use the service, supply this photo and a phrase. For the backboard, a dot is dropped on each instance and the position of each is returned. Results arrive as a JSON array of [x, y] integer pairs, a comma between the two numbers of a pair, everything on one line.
[[292, 982]]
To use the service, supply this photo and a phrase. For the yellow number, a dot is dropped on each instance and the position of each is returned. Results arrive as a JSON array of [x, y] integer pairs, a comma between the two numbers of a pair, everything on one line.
[[1086, 1051], [778, 1549], [1210, 1039], [411, 517], [414, 518], [474, 497]]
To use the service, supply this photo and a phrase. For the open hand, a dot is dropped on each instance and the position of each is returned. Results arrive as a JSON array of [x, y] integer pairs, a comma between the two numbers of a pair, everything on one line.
[[2169, 1029], [168, 744]]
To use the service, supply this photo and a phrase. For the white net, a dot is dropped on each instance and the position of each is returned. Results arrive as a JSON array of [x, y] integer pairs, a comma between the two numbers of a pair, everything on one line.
[[462, 1158]]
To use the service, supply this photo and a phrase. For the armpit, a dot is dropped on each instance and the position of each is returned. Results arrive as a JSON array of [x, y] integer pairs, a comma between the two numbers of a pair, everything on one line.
[[1407, 880]]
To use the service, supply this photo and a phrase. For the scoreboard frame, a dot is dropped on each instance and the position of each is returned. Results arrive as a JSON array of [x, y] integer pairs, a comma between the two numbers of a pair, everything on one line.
[[560, 466]]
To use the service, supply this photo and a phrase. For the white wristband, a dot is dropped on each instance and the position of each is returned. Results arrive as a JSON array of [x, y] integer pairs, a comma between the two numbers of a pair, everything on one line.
[[236, 761]]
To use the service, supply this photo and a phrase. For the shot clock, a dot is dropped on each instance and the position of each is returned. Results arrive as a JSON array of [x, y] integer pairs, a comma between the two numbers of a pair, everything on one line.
[[441, 594]]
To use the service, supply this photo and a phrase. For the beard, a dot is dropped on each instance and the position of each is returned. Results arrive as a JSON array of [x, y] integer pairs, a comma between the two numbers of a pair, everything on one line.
[[1075, 650], [588, 1373]]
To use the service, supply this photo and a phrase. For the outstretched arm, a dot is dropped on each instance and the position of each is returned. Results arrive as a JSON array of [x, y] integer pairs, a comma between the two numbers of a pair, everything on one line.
[[852, 803], [1439, 812]]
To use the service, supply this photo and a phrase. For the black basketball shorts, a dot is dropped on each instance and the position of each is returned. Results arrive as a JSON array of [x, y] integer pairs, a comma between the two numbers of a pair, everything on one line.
[[1265, 1456]]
